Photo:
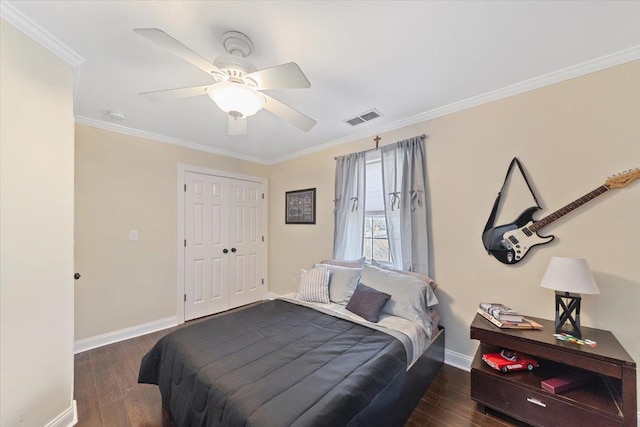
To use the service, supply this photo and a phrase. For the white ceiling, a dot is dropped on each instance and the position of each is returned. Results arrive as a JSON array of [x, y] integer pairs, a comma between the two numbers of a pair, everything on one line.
[[403, 58]]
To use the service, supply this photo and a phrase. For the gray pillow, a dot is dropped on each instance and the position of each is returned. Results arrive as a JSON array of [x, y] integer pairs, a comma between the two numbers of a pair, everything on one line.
[[410, 297], [426, 279], [342, 283], [367, 303]]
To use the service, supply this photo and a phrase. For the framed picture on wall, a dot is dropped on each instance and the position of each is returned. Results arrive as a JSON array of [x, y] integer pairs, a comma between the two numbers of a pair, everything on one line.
[[300, 206]]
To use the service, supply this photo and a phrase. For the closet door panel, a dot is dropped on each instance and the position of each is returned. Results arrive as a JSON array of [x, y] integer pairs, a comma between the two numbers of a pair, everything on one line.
[[206, 233], [246, 237]]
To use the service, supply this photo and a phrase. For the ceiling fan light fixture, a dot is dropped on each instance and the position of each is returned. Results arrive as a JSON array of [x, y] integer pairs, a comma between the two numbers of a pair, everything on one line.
[[235, 97]]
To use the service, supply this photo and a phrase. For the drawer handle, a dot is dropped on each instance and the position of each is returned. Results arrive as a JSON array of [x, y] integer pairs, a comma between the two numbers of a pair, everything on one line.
[[536, 402]]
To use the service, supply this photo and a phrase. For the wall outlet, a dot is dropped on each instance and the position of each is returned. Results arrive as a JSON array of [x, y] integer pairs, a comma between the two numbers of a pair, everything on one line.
[[133, 235]]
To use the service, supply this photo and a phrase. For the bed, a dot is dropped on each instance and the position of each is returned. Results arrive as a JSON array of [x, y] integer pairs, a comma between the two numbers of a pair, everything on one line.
[[287, 362]]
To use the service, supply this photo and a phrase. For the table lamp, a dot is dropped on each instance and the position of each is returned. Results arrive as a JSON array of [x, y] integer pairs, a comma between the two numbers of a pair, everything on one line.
[[569, 277]]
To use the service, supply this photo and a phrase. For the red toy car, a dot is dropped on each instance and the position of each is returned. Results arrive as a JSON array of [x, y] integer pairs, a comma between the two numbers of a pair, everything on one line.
[[506, 361]]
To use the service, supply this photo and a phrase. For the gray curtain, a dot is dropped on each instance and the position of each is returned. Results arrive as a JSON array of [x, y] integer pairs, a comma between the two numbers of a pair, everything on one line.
[[349, 206], [404, 181]]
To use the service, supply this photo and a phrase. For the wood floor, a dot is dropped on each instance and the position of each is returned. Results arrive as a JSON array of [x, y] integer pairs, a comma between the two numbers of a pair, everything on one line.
[[107, 392]]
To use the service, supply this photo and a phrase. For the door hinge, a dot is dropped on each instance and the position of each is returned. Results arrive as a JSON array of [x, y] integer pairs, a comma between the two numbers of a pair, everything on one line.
[[263, 238], [262, 196], [263, 281], [185, 187], [185, 297], [185, 243]]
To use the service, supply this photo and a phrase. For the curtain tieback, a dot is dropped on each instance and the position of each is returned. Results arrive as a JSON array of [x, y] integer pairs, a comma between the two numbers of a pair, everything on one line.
[[354, 204], [416, 196], [336, 205], [394, 200]]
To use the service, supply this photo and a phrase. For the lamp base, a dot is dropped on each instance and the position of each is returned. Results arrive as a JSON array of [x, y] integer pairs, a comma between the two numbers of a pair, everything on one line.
[[568, 313]]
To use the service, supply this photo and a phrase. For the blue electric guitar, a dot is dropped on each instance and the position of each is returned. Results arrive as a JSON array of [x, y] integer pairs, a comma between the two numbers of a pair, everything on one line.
[[509, 243]]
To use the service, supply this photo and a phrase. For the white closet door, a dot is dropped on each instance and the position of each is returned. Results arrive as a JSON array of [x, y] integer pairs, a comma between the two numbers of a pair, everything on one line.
[[245, 237], [206, 232]]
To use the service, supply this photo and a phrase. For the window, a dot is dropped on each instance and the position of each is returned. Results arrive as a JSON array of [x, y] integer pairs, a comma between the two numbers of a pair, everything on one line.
[[376, 242], [383, 223]]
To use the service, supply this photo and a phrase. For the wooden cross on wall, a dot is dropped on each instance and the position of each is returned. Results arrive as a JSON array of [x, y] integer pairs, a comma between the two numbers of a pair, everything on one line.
[[377, 140]]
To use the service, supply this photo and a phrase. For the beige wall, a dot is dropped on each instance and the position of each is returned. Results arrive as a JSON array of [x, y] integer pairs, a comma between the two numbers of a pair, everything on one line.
[[570, 136], [36, 232], [128, 183]]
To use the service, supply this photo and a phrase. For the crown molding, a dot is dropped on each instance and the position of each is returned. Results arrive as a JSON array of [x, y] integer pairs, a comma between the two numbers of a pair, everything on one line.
[[167, 139], [12, 15], [578, 70], [19, 20], [548, 79]]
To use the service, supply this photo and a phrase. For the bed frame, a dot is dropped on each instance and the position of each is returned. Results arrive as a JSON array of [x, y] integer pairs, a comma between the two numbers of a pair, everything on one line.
[[418, 380]]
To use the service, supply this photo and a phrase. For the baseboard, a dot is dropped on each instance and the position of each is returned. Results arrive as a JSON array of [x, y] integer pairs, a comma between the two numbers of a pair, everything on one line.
[[124, 334], [66, 419], [458, 360]]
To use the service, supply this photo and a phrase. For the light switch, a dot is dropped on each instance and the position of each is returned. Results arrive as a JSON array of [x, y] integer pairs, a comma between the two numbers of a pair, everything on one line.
[[133, 235]]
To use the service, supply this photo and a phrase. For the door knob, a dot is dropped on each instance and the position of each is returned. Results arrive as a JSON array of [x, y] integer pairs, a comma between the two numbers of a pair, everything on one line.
[[77, 276], [225, 251], [233, 249]]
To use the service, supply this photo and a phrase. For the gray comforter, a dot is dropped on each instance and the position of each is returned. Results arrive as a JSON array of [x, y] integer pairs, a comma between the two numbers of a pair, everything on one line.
[[276, 364]]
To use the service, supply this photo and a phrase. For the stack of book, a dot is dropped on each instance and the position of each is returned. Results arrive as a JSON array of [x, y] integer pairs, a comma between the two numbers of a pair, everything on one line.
[[564, 382], [506, 318]]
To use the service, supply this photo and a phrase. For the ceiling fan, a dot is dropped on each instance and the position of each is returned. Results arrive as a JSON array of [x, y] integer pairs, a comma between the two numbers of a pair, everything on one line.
[[237, 82]]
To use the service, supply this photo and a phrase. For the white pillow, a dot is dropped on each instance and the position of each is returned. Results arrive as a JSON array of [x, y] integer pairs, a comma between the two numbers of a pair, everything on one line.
[[342, 282], [410, 297], [314, 285]]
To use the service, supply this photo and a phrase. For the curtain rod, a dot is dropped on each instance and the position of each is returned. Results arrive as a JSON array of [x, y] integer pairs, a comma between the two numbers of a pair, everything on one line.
[[423, 136]]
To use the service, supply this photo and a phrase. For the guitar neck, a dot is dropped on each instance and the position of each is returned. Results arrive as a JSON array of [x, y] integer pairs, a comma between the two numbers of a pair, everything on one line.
[[568, 208]]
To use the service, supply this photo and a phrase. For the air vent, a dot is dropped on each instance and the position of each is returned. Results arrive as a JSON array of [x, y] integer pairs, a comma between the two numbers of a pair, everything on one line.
[[370, 115], [355, 121], [364, 117]]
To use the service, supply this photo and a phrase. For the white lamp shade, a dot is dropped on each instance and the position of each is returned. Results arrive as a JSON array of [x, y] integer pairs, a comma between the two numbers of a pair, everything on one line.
[[236, 97], [569, 275]]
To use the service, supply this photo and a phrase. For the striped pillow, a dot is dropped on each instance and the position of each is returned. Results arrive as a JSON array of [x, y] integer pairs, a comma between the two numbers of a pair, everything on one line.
[[314, 285]]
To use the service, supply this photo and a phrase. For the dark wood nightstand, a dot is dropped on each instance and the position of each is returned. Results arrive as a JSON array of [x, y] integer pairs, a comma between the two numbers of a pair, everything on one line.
[[608, 398]]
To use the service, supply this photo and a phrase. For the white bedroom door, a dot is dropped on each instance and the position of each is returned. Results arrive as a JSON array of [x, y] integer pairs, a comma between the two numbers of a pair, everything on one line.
[[224, 244]]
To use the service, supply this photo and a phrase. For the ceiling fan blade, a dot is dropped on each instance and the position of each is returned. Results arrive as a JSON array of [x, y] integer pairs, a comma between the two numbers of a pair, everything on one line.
[[164, 40], [237, 125], [288, 114], [183, 92], [285, 76]]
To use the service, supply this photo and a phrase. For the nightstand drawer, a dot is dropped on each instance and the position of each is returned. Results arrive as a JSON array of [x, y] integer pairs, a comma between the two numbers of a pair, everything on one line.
[[533, 407]]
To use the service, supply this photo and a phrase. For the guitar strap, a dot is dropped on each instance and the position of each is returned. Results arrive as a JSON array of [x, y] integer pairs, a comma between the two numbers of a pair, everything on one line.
[[494, 211]]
